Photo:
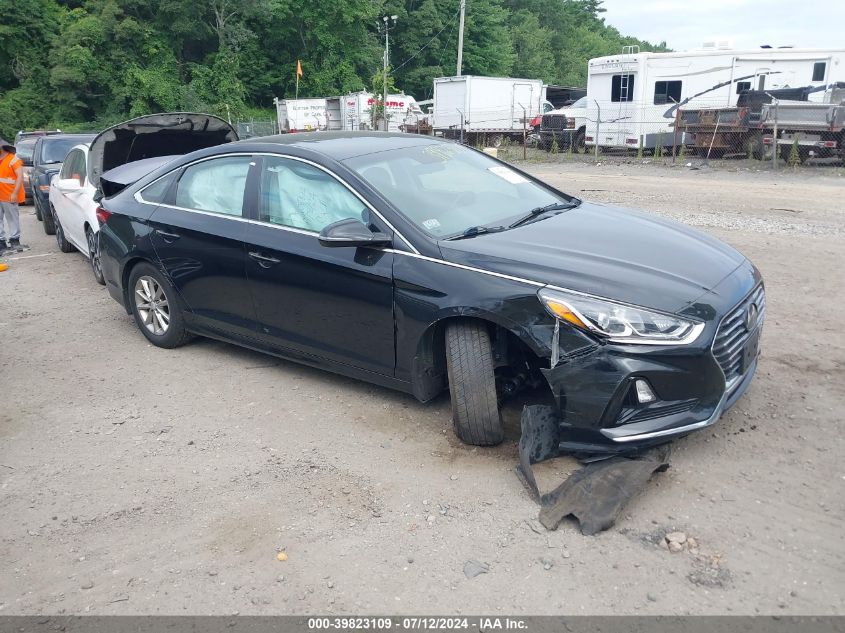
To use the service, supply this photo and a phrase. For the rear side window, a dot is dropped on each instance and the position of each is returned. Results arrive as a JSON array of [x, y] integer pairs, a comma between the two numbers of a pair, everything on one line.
[[667, 92], [622, 88], [157, 192], [818, 71], [215, 185]]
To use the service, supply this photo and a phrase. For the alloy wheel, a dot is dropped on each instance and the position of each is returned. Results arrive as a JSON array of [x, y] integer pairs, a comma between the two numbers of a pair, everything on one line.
[[152, 305], [94, 250]]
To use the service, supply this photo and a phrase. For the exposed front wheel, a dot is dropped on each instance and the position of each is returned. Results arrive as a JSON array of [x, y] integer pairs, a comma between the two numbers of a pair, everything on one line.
[[94, 255], [37, 209], [472, 384], [156, 307]]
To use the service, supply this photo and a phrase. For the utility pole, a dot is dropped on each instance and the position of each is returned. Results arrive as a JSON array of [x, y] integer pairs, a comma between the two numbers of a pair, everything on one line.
[[461, 37], [389, 21]]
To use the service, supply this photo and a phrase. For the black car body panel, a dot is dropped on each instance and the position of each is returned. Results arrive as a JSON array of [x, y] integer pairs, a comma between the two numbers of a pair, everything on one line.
[[600, 250], [378, 313]]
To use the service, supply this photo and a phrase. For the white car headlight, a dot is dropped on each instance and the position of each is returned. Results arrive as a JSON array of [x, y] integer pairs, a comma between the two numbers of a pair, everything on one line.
[[618, 322]]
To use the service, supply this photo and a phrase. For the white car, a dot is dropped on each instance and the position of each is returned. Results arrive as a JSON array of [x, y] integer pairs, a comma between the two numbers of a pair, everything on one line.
[[74, 209]]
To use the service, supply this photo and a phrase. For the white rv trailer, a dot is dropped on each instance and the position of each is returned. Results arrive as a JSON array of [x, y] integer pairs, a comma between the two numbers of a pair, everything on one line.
[[633, 97]]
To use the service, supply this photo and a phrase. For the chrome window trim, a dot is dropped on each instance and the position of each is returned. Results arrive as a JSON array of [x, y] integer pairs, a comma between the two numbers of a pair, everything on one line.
[[140, 198]]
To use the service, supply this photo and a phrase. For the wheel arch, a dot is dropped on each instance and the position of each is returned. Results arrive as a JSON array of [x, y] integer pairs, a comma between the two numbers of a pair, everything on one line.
[[428, 370], [126, 271]]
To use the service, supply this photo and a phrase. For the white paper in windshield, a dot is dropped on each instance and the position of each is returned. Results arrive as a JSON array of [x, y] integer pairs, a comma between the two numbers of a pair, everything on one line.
[[508, 174]]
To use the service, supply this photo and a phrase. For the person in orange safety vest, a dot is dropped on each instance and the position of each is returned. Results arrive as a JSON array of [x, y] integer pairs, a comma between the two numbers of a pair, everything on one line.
[[11, 195]]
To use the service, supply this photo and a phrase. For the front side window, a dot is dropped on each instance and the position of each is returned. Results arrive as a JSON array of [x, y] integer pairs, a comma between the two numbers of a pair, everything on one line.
[[215, 185], [742, 86], [667, 92], [302, 196], [622, 88], [445, 188], [818, 71]]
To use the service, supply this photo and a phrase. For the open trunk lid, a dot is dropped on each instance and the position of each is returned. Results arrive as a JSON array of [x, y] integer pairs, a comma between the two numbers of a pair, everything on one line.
[[168, 134]]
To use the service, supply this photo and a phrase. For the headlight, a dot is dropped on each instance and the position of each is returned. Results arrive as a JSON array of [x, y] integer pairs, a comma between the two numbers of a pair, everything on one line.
[[617, 322]]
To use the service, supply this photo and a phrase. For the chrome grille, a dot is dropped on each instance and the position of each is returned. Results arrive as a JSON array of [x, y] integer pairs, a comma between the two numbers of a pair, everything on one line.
[[554, 122], [733, 335]]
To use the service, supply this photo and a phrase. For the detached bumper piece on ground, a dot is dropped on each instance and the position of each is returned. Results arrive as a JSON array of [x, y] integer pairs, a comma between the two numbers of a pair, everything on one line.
[[595, 494]]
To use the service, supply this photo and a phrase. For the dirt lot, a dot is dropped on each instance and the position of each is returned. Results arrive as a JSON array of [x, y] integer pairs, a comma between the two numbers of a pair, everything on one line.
[[139, 480]]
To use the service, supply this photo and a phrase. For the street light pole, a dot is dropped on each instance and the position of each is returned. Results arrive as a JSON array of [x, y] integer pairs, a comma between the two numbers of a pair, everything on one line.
[[461, 37], [388, 19]]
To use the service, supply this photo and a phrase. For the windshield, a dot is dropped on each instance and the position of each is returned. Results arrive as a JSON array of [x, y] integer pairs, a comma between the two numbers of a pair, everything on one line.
[[54, 150], [445, 188], [581, 103]]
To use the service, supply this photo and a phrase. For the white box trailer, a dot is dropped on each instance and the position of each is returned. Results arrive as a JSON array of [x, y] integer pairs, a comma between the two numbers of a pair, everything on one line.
[[349, 112], [632, 98], [300, 115], [354, 111], [491, 106]]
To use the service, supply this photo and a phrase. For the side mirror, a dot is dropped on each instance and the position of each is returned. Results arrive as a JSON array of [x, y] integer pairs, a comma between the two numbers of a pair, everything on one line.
[[351, 232], [68, 185]]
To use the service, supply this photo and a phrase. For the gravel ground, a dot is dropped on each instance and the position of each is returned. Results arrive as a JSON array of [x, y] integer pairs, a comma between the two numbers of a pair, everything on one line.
[[144, 481]]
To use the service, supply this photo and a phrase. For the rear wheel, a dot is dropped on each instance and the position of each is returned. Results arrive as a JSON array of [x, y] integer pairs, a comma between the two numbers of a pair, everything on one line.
[[156, 307], [94, 255], [61, 240], [472, 384], [49, 221]]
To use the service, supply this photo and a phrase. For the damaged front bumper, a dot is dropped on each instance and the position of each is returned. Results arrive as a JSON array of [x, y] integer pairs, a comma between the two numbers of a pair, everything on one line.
[[595, 388]]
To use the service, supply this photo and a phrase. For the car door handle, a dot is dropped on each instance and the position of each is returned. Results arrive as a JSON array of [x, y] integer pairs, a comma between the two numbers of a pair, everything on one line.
[[263, 260], [168, 237]]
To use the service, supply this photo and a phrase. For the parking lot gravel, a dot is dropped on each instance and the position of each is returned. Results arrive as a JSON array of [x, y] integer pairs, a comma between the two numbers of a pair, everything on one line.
[[214, 480]]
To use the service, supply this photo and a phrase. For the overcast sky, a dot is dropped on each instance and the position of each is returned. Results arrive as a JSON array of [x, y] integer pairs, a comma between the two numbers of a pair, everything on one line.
[[686, 24]]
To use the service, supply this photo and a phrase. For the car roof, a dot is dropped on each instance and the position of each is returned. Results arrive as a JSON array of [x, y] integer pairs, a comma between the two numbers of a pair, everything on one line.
[[343, 145], [58, 137]]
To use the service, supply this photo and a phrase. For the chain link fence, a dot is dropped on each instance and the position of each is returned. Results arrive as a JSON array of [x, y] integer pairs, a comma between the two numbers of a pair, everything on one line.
[[251, 129], [760, 128]]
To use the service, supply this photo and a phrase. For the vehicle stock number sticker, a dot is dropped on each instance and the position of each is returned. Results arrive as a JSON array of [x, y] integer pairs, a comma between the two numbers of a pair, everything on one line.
[[508, 174]]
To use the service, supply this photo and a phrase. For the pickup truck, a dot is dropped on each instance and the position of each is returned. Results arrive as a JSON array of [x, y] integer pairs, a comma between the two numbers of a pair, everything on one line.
[[565, 125], [818, 129]]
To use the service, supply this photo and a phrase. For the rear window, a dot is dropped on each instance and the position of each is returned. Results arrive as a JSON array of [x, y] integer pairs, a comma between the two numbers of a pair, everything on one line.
[[24, 150], [622, 88]]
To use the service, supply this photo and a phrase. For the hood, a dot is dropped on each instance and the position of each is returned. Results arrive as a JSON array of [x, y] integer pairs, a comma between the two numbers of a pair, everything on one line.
[[154, 135], [606, 251]]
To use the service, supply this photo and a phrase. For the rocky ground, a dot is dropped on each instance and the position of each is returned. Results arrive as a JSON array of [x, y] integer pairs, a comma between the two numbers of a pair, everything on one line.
[[135, 480]]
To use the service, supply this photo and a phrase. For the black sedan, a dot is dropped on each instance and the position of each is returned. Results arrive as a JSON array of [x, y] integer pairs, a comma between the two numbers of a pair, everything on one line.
[[420, 264]]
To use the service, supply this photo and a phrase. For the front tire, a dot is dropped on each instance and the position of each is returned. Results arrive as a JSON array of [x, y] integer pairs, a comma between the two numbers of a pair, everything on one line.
[[472, 384], [94, 255], [156, 308], [37, 209], [61, 240]]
